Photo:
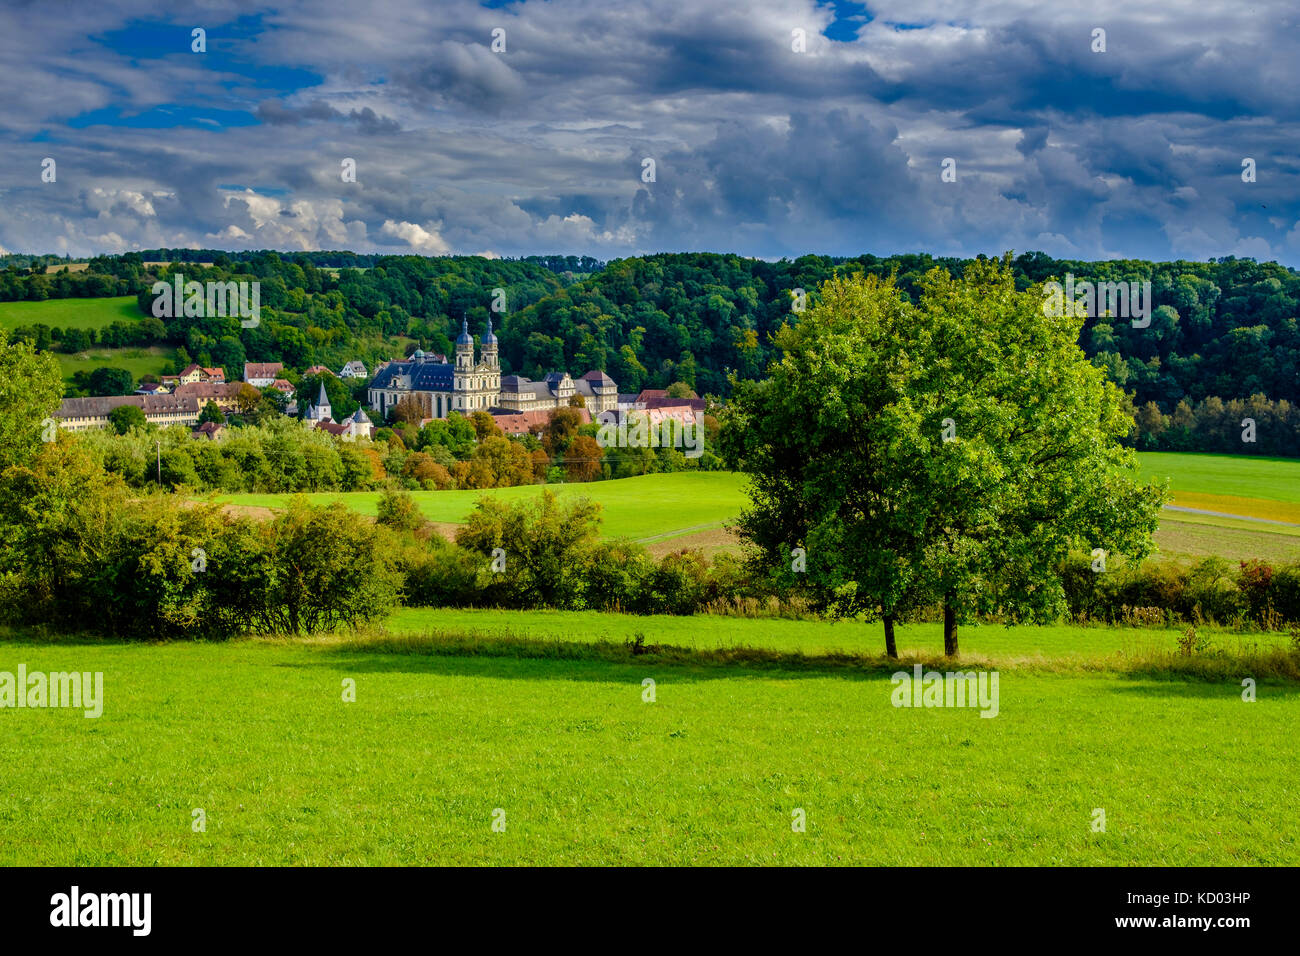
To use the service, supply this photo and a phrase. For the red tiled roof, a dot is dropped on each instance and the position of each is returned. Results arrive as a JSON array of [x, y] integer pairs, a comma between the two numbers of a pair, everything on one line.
[[205, 391], [262, 369], [530, 423], [696, 404]]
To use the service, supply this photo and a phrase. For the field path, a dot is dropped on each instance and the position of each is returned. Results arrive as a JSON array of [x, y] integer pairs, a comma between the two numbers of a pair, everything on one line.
[[1224, 514]]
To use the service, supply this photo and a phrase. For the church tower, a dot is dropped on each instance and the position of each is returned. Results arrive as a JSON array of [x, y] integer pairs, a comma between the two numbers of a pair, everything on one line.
[[464, 347], [490, 346], [491, 378], [462, 382]]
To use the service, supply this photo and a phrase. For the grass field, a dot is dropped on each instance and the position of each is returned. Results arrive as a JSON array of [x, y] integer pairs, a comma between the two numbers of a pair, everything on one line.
[[690, 508], [1012, 645], [646, 508], [1249, 486], [137, 361], [1246, 477], [257, 735], [71, 313]]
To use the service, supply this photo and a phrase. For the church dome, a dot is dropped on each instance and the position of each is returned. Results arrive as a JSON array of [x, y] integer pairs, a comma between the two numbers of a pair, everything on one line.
[[464, 338], [488, 337]]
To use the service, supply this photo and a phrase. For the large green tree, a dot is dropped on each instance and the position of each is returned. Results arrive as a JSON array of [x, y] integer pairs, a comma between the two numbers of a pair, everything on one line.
[[30, 389], [953, 451]]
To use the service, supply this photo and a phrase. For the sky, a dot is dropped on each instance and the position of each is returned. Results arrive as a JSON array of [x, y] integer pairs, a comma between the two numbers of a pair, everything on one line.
[[613, 128]]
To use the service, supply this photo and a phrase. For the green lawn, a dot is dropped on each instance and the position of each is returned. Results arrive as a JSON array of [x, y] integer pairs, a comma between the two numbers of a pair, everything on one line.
[[648, 506], [256, 734], [1245, 476], [71, 313]]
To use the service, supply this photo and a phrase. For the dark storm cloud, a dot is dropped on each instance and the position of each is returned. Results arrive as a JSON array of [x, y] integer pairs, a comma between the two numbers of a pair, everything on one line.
[[758, 149]]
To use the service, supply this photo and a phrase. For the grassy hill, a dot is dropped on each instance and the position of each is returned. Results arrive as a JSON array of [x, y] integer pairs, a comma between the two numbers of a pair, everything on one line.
[[691, 508], [71, 313], [137, 361], [651, 506]]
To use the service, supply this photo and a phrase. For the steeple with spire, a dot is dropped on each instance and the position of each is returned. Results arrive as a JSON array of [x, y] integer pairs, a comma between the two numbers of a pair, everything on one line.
[[324, 412]]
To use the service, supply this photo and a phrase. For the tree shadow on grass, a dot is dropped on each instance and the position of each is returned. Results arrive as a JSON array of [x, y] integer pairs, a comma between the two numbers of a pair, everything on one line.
[[547, 659], [603, 662], [1228, 689]]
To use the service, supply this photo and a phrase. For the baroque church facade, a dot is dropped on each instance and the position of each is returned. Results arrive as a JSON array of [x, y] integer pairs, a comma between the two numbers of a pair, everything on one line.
[[467, 386]]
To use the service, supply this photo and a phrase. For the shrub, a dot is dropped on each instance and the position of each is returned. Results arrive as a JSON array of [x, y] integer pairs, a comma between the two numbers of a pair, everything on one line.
[[1286, 592], [439, 574], [1255, 582], [398, 510], [1212, 591]]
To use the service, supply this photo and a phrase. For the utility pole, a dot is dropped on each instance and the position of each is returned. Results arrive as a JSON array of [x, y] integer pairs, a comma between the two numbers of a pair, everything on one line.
[[159, 444]]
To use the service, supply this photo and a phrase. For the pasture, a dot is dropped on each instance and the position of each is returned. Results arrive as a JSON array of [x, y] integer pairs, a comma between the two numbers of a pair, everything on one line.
[[71, 313], [691, 509], [137, 361], [582, 769], [645, 508]]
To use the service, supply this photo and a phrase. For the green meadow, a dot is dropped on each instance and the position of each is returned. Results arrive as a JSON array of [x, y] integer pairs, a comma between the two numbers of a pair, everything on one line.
[[89, 314], [71, 313], [1244, 476], [544, 721], [137, 361], [650, 506], [1099, 646], [660, 508], [569, 754]]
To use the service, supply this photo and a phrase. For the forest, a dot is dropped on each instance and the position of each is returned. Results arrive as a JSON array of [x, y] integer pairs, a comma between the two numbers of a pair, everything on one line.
[[1222, 330]]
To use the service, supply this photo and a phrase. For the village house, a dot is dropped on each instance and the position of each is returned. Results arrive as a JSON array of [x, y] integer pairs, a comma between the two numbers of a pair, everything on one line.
[[532, 423], [213, 431], [262, 374], [224, 395], [84, 414], [194, 373]]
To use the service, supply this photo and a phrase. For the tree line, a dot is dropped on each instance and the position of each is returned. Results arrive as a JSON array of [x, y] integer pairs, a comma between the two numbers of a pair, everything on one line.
[[1225, 328], [273, 454]]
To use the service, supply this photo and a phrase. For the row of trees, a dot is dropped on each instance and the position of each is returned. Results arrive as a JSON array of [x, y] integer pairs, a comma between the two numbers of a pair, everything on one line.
[[1226, 327], [117, 334], [1256, 425], [543, 552], [78, 548], [277, 454]]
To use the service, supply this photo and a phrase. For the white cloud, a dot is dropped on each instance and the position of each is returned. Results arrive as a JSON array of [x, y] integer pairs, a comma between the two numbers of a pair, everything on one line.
[[426, 241]]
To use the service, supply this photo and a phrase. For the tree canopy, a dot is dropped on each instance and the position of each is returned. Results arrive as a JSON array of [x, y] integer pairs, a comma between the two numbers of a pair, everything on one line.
[[949, 451]]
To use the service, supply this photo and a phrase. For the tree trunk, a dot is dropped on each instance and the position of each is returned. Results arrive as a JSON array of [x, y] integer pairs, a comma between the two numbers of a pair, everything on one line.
[[949, 629], [890, 649]]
